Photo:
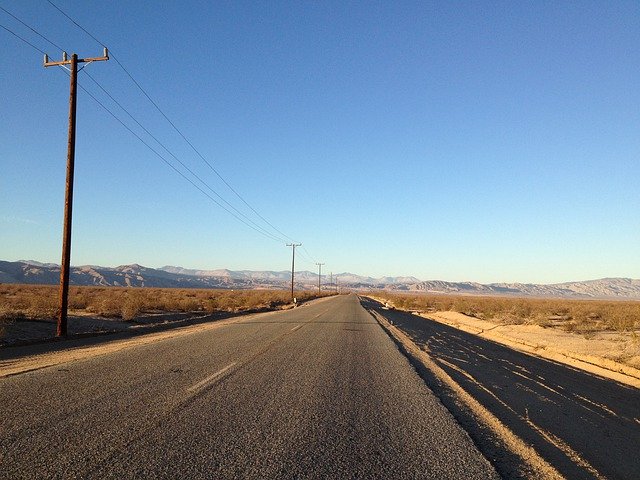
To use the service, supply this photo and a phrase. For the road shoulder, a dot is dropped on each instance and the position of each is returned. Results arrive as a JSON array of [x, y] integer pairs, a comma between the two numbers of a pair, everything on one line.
[[509, 454], [35, 357], [563, 347]]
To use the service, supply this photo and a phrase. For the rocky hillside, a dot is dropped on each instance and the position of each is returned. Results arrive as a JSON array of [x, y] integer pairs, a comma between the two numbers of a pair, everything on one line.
[[603, 288], [177, 277]]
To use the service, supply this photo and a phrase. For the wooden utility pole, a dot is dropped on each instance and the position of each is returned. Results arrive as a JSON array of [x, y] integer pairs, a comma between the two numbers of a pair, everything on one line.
[[319, 275], [293, 264], [61, 329]]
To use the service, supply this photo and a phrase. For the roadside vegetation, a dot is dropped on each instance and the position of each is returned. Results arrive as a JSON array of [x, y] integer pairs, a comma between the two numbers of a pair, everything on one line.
[[40, 302], [581, 316]]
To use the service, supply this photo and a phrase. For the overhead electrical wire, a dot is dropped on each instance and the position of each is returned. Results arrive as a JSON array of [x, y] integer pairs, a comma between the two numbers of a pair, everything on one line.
[[262, 232], [240, 216], [248, 222], [30, 28], [23, 39], [307, 254], [220, 197], [173, 167], [157, 107]]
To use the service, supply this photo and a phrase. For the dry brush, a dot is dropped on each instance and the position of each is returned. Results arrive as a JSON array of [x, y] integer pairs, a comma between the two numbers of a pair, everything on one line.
[[582, 316], [40, 302]]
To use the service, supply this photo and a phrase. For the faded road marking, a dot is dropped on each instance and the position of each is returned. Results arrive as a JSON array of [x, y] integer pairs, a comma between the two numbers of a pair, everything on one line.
[[210, 379]]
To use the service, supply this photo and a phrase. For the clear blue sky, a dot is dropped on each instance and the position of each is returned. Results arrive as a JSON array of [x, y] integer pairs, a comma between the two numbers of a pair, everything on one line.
[[485, 141]]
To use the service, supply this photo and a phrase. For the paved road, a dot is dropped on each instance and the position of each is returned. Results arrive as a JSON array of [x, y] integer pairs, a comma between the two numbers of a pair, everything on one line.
[[584, 425], [315, 392]]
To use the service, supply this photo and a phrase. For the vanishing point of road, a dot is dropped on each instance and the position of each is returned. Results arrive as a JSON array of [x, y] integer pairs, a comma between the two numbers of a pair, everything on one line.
[[320, 391]]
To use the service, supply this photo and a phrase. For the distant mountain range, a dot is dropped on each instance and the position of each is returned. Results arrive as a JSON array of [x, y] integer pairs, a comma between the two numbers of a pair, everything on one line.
[[602, 288], [30, 271]]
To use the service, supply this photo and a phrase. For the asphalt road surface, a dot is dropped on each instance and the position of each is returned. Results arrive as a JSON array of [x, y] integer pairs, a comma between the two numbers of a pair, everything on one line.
[[316, 392], [583, 425]]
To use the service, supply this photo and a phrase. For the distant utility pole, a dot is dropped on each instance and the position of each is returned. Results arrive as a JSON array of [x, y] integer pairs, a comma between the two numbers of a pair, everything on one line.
[[293, 263], [337, 285], [319, 275], [61, 329]]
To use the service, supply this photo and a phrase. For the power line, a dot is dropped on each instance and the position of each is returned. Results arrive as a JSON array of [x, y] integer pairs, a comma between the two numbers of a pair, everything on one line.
[[253, 225], [139, 138], [195, 175], [266, 234], [242, 199], [30, 28], [195, 149], [74, 22], [173, 167], [308, 255], [24, 40]]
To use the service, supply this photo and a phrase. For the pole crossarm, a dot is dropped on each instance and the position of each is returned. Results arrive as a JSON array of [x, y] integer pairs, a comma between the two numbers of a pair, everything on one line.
[[67, 61]]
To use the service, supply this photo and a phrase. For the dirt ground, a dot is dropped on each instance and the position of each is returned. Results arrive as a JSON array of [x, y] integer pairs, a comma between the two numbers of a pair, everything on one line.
[[26, 331], [607, 353]]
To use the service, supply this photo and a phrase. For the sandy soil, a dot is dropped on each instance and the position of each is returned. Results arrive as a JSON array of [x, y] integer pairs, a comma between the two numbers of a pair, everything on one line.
[[610, 354], [83, 348], [523, 461], [28, 331]]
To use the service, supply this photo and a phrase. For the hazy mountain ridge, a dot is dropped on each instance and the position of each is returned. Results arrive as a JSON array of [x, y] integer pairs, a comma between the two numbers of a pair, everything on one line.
[[32, 272], [601, 288]]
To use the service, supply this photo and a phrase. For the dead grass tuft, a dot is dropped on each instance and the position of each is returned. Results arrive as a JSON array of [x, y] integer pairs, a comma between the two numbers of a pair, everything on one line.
[[580, 316], [41, 301]]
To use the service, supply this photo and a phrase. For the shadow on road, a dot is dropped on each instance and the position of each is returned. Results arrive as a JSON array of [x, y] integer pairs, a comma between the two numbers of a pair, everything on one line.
[[83, 337], [584, 425]]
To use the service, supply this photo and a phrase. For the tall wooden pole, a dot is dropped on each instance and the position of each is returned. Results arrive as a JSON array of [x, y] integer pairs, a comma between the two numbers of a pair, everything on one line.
[[68, 203], [319, 275], [293, 264], [61, 328]]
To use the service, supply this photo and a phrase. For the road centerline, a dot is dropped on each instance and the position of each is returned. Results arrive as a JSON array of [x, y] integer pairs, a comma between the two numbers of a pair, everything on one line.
[[211, 378]]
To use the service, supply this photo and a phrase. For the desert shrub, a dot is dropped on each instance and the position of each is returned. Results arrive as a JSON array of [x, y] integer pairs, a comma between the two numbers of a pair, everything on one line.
[[43, 306], [109, 307], [582, 316], [41, 301], [189, 305], [78, 299], [131, 307]]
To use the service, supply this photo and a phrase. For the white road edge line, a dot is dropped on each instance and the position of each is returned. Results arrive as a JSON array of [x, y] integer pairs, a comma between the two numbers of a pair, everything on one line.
[[296, 328], [210, 378]]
